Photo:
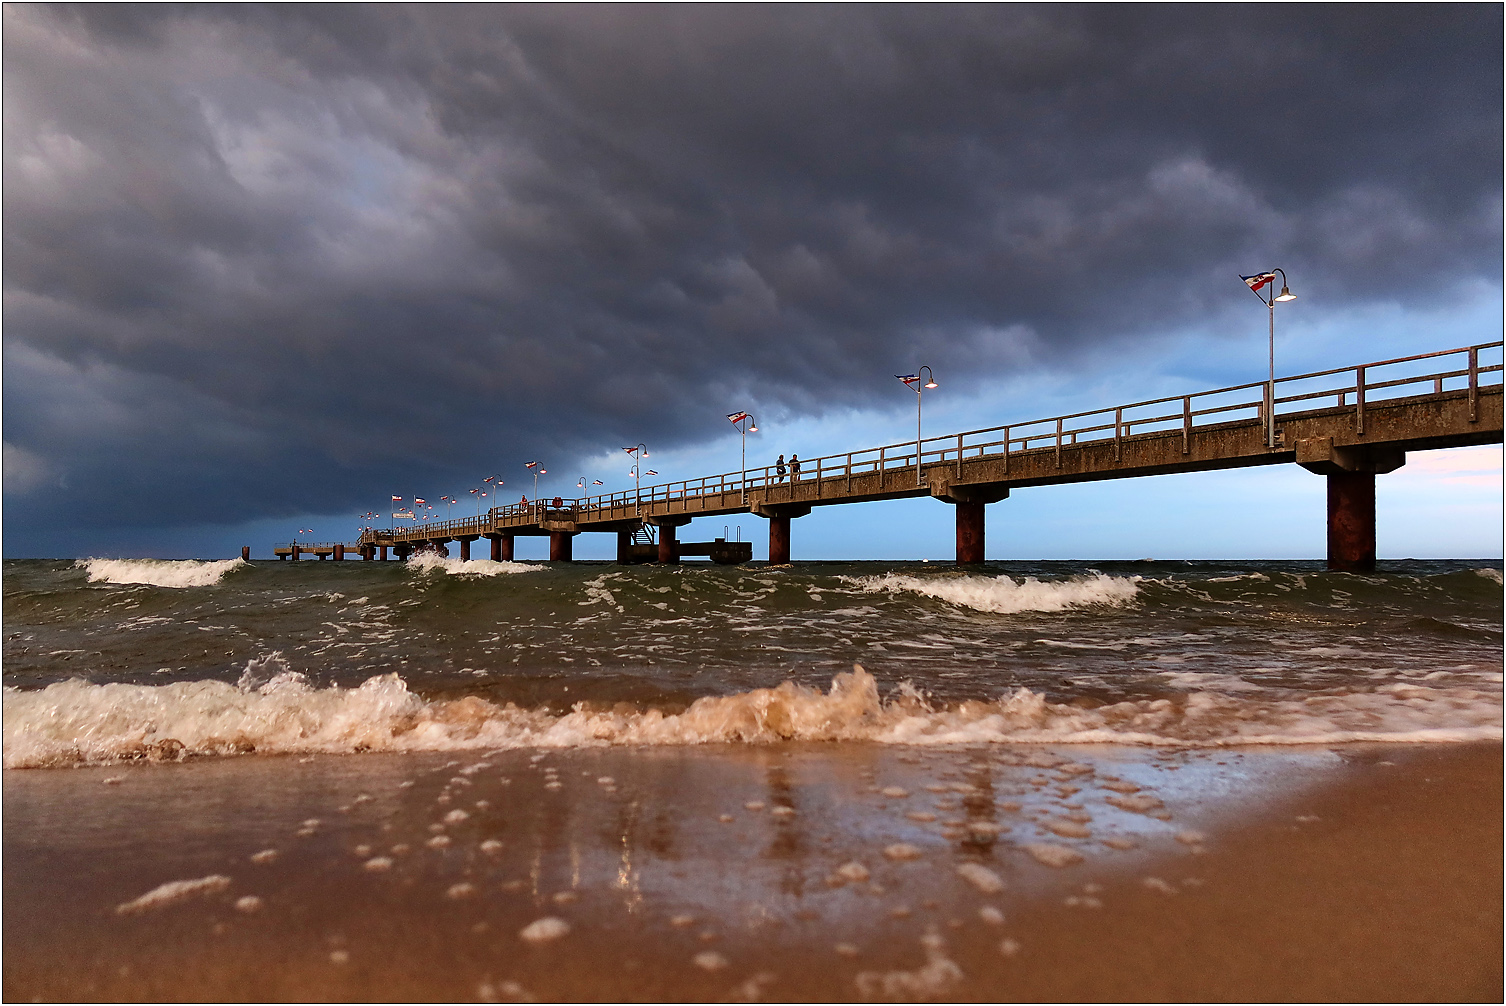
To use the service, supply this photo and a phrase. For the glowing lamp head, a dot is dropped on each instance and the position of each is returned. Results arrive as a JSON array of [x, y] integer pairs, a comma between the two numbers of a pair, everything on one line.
[[1286, 294], [930, 384], [752, 429]]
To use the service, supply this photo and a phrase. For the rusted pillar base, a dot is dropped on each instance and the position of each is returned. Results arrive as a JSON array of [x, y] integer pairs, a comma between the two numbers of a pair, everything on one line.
[[496, 547], [280, 558], [669, 549], [246, 552], [503, 551], [561, 546], [625, 547], [340, 551], [465, 550], [384, 553], [295, 553], [779, 539], [402, 552], [969, 533], [1351, 522]]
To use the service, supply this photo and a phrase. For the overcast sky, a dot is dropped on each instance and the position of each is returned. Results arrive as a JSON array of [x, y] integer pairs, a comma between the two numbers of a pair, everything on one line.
[[266, 265]]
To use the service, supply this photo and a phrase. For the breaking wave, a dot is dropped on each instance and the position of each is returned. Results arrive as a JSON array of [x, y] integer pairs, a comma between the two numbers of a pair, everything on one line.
[[1005, 596], [428, 562], [159, 572], [276, 711]]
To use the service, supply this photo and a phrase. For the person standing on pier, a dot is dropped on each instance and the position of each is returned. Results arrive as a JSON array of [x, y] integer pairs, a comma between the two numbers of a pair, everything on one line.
[[779, 468], [794, 468]]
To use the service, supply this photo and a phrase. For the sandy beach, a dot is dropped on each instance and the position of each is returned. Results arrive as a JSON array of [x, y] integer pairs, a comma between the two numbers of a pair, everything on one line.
[[766, 872]]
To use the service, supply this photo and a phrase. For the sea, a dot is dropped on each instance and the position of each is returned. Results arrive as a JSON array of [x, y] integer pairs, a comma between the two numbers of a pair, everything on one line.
[[135, 660]]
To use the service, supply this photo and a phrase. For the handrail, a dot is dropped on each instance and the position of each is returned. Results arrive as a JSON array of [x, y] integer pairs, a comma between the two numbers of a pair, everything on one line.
[[1052, 433]]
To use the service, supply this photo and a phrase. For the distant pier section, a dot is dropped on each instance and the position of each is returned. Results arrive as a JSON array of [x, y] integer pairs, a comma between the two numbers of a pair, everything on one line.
[[1347, 425]]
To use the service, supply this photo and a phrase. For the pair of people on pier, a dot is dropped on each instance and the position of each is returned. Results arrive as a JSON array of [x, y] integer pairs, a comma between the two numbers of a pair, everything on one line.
[[794, 469]]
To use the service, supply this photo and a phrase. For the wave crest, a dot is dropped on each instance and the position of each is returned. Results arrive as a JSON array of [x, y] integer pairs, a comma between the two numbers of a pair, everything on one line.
[[160, 572], [276, 711], [1005, 596], [428, 562]]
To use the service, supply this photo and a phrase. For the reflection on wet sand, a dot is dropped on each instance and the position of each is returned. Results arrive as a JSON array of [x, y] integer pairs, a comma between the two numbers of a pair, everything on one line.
[[780, 871]]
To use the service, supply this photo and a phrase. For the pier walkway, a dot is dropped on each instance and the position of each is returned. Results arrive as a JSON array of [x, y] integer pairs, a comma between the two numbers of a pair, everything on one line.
[[1347, 425]]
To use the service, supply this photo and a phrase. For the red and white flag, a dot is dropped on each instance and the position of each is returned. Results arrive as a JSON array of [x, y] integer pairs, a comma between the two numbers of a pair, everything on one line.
[[736, 417], [397, 499], [1258, 281], [531, 464]]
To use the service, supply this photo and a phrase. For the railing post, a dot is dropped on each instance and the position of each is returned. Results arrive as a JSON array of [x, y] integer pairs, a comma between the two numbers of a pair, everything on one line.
[[1118, 425], [1474, 384], [959, 455], [818, 477], [1058, 443], [1359, 401], [1006, 450], [849, 471], [881, 467], [1186, 424]]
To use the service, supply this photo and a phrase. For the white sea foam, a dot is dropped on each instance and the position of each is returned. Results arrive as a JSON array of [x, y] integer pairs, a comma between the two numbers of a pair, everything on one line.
[[428, 562], [159, 572], [74, 722], [1006, 596]]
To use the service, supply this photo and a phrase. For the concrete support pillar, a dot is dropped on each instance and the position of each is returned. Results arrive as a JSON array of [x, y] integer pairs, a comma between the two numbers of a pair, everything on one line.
[[402, 551], [969, 533], [321, 556], [340, 551], [384, 553], [561, 546], [246, 552], [1350, 470], [669, 548], [295, 553], [625, 547], [366, 553], [502, 551], [280, 558], [465, 550], [779, 539], [1351, 522]]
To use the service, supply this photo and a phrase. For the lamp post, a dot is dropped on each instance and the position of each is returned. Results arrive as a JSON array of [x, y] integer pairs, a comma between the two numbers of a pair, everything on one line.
[[912, 381], [1266, 281], [636, 453], [745, 424]]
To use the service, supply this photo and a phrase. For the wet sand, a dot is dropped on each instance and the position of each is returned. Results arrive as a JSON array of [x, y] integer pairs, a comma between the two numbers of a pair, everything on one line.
[[779, 872]]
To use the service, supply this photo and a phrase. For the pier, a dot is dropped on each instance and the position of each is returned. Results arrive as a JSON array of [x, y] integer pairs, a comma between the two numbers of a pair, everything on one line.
[[1346, 425]]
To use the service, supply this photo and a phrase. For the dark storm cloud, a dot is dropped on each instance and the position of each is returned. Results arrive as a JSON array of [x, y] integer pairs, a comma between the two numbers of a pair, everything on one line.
[[270, 260]]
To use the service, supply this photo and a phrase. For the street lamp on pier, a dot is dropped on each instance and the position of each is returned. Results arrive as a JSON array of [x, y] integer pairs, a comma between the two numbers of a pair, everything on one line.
[[912, 381], [745, 424], [636, 453], [537, 471], [1267, 281]]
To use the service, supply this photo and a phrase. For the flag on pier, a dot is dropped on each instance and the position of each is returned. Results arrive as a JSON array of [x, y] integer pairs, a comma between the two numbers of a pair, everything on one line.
[[531, 464], [1259, 280], [417, 500], [596, 482], [736, 417], [397, 499], [909, 379], [651, 472], [631, 450]]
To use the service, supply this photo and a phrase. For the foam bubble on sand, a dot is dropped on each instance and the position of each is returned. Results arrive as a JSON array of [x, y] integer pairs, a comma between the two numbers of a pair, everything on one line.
[[273, 710], [545, 930], [1053, 855], [159, 572], [901, 851], [934, 980], [264, 856], [853, 872], [991, 915], [709, 960], [1005, 596], [173, 891], [248, 904], [428, 562], [981, 877]]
